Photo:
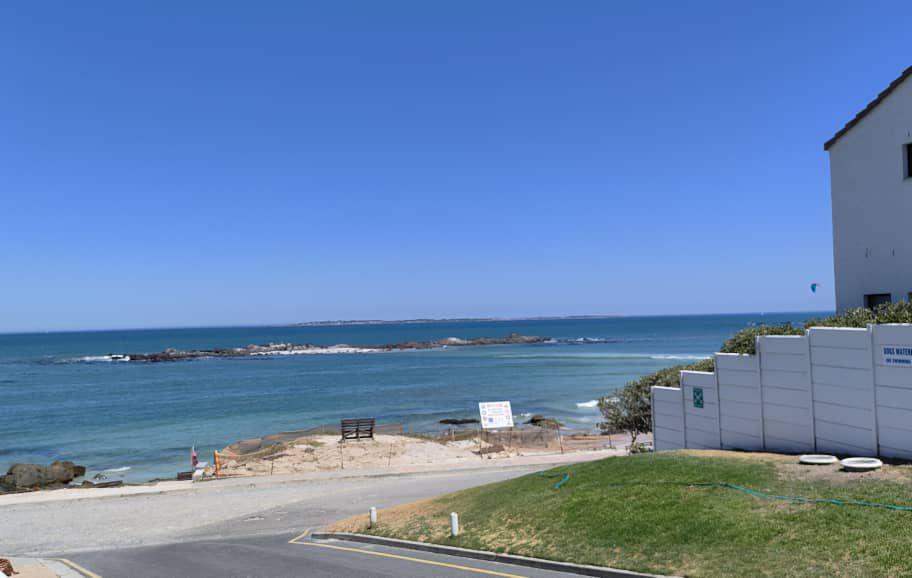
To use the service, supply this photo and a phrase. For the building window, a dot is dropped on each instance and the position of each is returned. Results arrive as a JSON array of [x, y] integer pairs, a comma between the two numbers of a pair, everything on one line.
[[907, 160], [873, 300]]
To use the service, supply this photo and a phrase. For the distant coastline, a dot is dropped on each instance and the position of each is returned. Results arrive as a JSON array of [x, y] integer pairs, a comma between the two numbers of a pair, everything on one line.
[[346, 322], [418, 321]]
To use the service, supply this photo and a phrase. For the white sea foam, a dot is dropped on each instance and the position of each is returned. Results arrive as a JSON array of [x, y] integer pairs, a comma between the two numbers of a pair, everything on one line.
[[334, 349], [590, 403], [96, 358], [116, 470], [586, 340], [603, 355]]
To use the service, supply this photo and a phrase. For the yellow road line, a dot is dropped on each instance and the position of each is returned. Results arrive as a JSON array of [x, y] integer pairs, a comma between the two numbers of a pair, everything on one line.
[[296, 538], [410, 559], [79, 568]]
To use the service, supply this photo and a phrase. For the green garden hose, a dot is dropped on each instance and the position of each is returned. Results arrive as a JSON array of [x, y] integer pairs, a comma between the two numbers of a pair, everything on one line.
[[832, 501], [565, 477], [759, 494]]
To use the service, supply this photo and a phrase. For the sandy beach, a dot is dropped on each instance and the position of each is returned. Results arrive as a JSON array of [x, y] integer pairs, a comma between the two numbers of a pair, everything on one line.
[[318, 453], [324, 457], [326, 453]]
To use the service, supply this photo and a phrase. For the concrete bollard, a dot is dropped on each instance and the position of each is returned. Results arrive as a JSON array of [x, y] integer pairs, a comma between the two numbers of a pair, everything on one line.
[[373, 518], [454, 524]]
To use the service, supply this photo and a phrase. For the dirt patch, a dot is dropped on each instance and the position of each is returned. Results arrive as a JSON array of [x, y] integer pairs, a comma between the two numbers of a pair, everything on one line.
[[755, 456], [35, 571], [323, 453], [788, 467], [835, 474], [314, 453], [419, 514], [583, 442]]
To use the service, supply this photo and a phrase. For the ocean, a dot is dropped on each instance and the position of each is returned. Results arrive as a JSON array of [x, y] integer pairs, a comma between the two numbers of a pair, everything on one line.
[[62, 398]]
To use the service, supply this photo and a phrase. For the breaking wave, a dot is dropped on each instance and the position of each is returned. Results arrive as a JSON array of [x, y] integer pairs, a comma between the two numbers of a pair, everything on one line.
[[587, 340], [599, 340], [96, 359], [590, 403]]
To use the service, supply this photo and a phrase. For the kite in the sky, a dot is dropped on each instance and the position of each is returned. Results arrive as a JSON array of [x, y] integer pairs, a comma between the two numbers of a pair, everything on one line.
[[813, 287]]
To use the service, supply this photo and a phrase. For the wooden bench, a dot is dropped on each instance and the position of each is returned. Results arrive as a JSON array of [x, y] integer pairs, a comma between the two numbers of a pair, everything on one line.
[[357, 429]]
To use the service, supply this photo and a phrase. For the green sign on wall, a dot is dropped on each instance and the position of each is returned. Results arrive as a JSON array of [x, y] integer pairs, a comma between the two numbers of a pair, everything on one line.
[[698, 397]]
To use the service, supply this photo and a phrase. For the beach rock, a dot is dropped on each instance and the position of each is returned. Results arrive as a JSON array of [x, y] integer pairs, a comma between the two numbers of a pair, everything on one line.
[[171, 354], [21, 477], [458, 421], [539, 420], [108, 484]]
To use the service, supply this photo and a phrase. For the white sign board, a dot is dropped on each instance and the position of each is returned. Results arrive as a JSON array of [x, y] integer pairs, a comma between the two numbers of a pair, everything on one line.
[[896, 355], [495, 414]]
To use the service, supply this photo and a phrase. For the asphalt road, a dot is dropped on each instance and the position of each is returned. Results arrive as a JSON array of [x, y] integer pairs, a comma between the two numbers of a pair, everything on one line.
[[283, 555], [234, 508], [243, 527]]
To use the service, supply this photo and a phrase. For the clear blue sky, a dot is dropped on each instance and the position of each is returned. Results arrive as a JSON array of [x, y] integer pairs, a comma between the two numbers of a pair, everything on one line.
[[192, 163]]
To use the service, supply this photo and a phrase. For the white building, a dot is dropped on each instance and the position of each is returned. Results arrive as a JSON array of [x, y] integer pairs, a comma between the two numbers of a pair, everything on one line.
[[871, 189]]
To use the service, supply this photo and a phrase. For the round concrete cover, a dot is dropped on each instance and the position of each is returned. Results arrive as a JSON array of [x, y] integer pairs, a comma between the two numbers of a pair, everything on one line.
[[817, 459], [861, 464]]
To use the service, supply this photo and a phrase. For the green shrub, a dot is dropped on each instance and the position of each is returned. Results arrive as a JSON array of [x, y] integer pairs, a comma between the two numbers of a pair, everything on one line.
[[630, 408], [627, 411], [900, 312], [745, 341]]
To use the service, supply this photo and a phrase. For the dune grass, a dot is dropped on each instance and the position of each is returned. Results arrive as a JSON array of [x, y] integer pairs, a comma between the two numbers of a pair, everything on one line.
[[639, 513]]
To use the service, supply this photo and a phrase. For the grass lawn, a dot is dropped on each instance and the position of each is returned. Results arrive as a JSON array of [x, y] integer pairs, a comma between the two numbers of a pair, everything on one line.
[[639, 513]]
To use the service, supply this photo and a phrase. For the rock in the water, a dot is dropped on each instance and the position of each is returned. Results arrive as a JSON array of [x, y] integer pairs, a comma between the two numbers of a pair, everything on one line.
[[21, 477], [108, 484], [545, 422], [172, 354], [458, 421]]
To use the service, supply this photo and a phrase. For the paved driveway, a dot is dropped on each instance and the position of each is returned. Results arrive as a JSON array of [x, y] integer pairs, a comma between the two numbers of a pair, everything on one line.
[[281, 555]]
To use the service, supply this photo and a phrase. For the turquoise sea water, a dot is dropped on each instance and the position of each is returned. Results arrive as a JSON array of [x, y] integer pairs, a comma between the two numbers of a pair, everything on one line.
[[59, 402]]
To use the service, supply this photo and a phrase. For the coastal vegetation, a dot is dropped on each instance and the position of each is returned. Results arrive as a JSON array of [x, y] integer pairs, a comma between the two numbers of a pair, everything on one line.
[[667, 513], [628, 409]]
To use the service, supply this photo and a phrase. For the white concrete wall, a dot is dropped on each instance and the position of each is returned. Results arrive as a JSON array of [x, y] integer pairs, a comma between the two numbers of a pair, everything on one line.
[[843, 378], [667, 418], [835, 390], [741, 408], [785, 378], [701, 424], [872, 201], [893, 392]]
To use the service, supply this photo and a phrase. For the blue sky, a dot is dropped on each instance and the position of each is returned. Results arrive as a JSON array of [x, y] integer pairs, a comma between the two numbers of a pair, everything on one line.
[[174, 163]]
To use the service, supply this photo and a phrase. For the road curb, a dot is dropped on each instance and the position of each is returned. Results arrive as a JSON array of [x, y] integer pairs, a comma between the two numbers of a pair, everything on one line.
[[581, 569]]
